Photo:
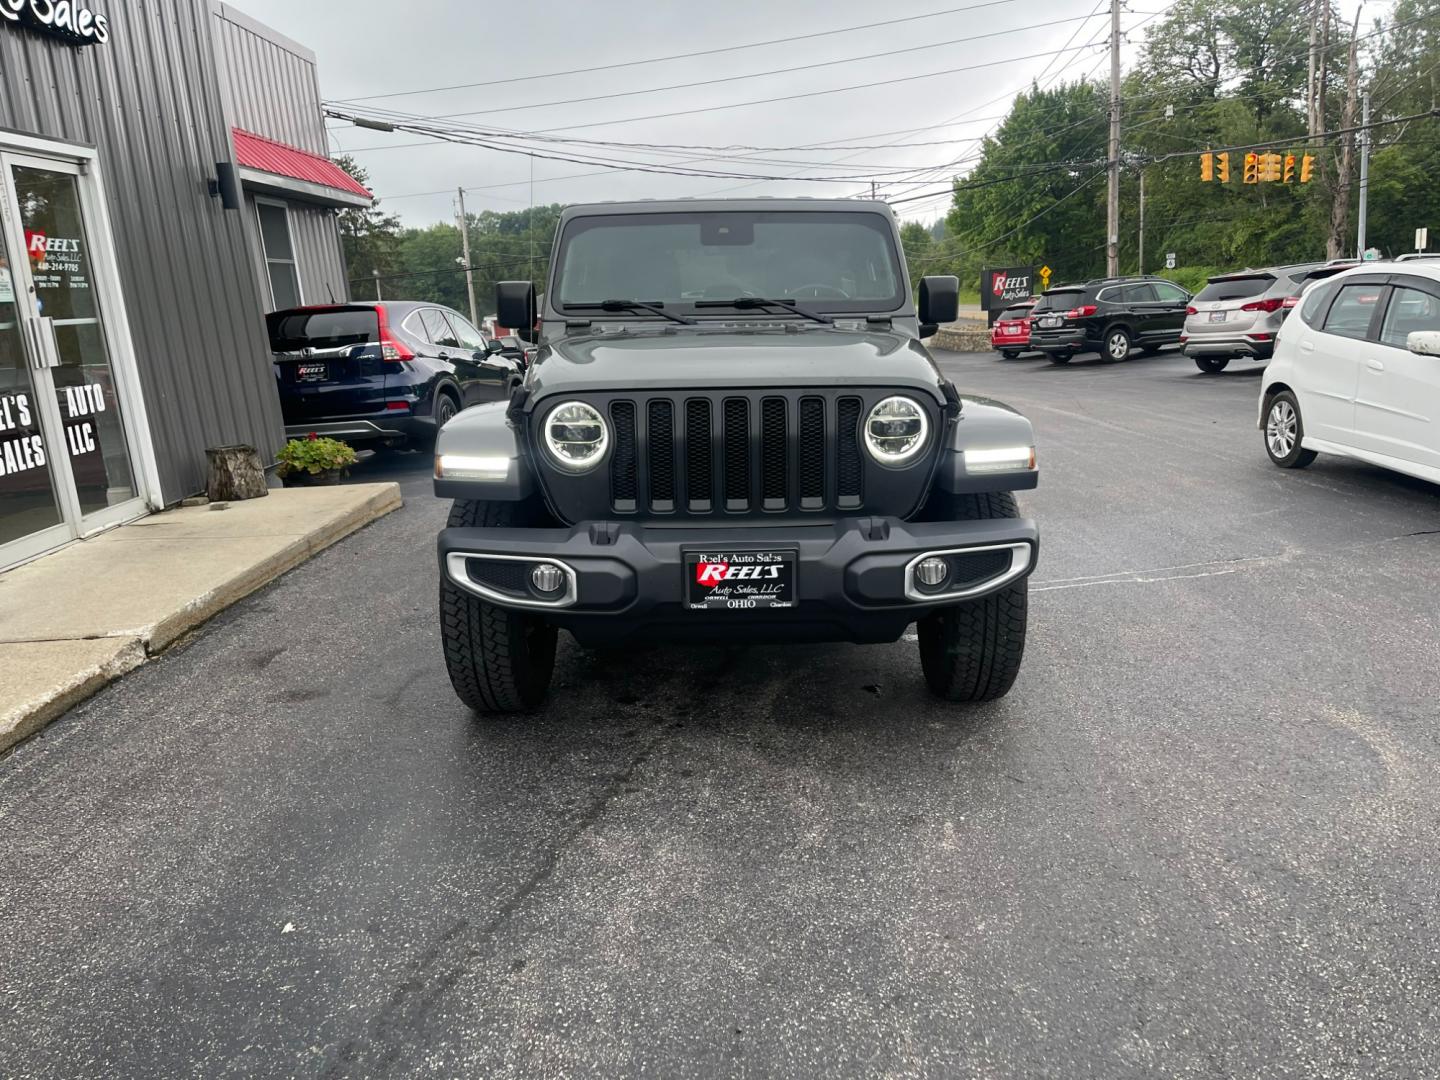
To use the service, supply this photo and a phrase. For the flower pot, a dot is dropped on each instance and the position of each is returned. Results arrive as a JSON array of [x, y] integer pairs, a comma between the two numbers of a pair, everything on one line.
[[301, 478]]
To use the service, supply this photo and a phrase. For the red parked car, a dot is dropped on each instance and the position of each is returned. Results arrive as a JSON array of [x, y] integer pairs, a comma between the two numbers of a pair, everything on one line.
[[1010, 336]]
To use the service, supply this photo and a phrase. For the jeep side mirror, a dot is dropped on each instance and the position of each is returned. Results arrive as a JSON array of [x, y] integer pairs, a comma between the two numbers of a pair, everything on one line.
[[939, 302], [494, 345], [515, 306], [1424, 342]]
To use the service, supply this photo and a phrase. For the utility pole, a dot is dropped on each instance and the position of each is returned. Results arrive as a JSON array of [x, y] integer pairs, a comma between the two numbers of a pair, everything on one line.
[[1140, 268], [1311, 126], [1363, 215], [465, 250], [1112, 211]]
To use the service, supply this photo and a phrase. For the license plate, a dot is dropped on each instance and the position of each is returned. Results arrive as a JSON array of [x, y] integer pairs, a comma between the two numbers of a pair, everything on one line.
[[311, 372], [739, 580], [1049, 322], [1217, 316]]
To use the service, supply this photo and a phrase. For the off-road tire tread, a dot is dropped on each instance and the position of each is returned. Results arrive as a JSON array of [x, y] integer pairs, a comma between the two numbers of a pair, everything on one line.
[[973, 651], [488, 653]]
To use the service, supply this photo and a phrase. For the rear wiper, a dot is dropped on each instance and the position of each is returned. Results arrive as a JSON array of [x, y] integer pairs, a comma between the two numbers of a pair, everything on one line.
[[631, 305], [743, 302]]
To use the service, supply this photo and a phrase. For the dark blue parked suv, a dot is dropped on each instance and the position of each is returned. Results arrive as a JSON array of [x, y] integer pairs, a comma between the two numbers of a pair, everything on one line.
[[389, 372]]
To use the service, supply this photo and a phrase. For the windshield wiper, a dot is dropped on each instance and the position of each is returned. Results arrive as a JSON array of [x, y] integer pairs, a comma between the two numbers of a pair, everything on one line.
[[741, 303], [631, 305]]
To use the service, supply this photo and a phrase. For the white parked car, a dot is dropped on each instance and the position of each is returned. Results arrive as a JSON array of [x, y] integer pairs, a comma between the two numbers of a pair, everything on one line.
[[1356, 372]]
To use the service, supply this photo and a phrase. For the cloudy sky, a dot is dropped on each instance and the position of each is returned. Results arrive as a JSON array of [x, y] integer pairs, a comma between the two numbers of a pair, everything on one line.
[[379, 47]]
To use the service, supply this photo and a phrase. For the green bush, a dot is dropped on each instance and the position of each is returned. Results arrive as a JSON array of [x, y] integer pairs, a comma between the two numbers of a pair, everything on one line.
[[314, 455], [1190, 278]]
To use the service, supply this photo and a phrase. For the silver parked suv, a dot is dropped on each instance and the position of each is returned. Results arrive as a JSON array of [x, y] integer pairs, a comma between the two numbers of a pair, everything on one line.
[[1240, 314]]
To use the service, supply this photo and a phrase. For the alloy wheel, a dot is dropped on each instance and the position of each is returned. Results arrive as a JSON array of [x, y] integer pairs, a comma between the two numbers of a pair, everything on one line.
[[1280, 429], [1119, 345]]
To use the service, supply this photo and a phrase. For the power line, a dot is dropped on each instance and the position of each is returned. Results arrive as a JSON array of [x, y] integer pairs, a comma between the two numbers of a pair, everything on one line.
[[763, 74], [887, 23]]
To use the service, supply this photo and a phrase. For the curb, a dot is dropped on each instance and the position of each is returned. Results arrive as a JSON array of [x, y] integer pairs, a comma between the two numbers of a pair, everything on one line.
[[110, 658]]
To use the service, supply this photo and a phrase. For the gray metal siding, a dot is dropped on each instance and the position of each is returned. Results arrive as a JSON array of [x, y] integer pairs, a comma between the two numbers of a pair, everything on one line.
[[316, 240], [149, 101], [271, 85]]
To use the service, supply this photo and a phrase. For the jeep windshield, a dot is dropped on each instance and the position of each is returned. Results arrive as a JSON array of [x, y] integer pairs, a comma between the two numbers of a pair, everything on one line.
[[703, 262]]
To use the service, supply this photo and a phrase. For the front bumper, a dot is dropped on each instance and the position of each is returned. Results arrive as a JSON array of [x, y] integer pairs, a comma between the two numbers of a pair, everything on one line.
[[853, 581]]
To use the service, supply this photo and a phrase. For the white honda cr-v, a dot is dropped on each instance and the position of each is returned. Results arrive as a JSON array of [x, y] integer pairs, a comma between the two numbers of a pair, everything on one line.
[[1357, 372]]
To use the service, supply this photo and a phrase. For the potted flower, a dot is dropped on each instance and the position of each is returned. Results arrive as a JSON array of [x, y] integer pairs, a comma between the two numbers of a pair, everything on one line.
[[314, 460]]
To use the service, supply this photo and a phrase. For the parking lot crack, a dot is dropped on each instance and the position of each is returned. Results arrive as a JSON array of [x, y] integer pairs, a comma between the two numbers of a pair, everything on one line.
[[451, 957]]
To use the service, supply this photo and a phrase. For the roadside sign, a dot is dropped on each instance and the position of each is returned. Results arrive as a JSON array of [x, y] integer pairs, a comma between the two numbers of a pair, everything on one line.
[[1422, 239], [1045, 273], [1371, 254], [1170, 260], [1001, 287]]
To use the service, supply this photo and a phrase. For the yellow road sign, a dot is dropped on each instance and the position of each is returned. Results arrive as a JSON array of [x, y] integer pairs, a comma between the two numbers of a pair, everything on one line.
[[1045, 276]]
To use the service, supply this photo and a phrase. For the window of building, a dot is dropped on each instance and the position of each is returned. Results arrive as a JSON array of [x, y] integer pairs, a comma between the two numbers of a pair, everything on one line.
[[279, 254]]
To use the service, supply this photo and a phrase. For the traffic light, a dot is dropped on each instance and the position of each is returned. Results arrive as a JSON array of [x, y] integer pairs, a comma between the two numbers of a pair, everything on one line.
[[1289, 168], [1252, 168], [1222, 166], [1307, 168], [1269, 170], [1207, 168]]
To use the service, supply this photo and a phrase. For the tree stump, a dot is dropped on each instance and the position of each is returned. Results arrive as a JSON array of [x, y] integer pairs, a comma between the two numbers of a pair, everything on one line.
[[236, 473]]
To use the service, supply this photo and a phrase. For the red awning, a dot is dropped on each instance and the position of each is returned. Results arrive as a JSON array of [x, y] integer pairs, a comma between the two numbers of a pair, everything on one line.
[[266, 155]]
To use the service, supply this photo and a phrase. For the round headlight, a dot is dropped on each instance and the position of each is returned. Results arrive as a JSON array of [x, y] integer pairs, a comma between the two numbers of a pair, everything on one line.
[[576, 435], [895, 430]]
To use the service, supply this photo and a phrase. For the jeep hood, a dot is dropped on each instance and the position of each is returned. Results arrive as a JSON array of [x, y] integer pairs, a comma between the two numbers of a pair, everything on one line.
[[700, 359]]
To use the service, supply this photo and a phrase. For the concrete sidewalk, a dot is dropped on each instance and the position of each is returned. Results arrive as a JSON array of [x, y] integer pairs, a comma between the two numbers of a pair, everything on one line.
[[73, 621]]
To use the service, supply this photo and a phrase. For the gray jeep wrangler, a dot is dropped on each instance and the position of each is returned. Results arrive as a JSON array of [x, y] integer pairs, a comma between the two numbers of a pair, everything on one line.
[[731, 432]]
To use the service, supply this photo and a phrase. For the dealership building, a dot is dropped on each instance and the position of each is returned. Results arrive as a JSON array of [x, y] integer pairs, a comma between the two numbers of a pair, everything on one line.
[[164, 182]]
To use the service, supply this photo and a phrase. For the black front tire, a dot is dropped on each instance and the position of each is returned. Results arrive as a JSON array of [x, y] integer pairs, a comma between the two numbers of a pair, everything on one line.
[[1118, 345], [972, 651], [1062, 357], [499, 660], [1212, 365], [1284, 430]]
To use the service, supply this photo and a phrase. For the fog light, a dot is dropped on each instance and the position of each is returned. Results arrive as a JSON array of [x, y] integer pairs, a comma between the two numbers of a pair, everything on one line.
[[547, 578], [932, 572]]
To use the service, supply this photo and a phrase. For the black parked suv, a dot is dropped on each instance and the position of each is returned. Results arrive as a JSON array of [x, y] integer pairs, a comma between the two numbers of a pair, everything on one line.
[[390, 372], [732, 432], [1112, 316]]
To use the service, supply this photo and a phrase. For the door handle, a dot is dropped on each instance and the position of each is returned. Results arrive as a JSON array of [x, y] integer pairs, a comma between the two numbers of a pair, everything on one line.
[[40, 342], [1374, 365]]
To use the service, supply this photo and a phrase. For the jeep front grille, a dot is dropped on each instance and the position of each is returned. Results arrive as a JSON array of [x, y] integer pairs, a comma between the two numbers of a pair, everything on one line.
[[737, 452]]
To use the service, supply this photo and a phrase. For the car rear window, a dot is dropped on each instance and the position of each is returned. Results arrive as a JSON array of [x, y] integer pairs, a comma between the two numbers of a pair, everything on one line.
[[1236, 288], [1059, 300], [1016, 312], [291, 331]]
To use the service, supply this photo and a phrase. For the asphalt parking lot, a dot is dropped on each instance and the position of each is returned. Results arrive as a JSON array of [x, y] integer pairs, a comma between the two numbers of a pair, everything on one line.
[[1198, 839]]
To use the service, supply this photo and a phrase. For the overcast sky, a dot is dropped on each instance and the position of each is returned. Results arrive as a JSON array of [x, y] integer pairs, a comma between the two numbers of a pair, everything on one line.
[[370, 47]]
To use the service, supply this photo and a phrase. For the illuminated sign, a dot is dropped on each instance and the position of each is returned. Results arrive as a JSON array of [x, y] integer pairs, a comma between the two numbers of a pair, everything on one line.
[[69, 20]]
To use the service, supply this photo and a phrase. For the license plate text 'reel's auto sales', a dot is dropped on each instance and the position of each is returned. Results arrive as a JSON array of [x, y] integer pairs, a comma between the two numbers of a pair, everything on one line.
[[739, 580]]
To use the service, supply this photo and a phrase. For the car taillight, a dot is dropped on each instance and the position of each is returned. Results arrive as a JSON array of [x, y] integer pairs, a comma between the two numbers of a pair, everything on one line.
[[1192, 311], [1290, 301], [391, 348], [1081, 312], [1272, 304]]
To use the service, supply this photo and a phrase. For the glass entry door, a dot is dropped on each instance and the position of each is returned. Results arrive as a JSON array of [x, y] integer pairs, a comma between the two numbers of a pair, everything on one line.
[[67, 467]]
